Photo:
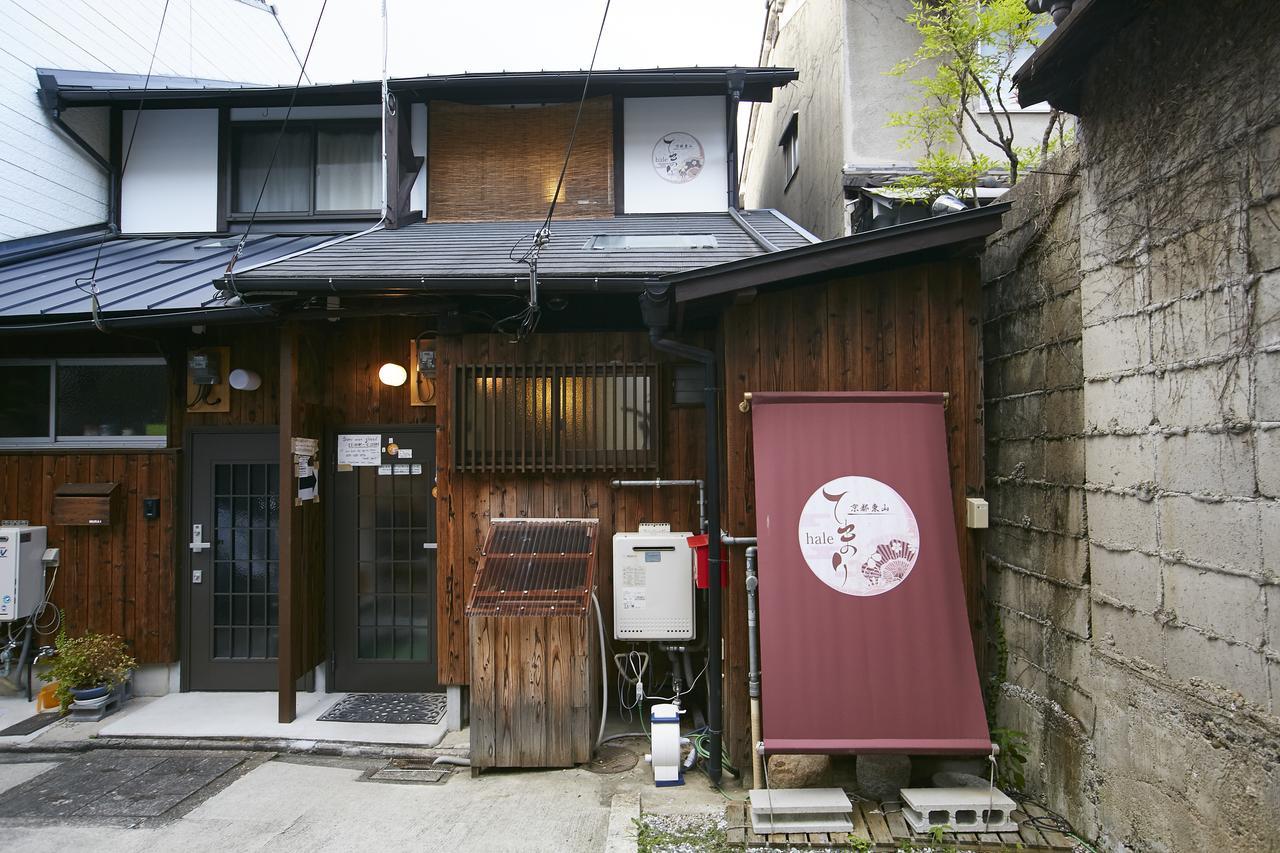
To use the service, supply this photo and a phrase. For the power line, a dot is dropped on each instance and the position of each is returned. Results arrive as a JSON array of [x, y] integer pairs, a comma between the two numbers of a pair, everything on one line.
[[526, 321], [293, 97], [92, 280]]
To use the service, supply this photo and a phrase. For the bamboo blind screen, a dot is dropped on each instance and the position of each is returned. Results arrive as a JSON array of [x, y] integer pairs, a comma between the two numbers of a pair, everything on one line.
[[556, 417], [502, 162]]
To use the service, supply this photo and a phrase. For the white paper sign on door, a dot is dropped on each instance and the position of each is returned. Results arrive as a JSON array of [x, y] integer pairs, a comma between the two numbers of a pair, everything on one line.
[[360, 449]]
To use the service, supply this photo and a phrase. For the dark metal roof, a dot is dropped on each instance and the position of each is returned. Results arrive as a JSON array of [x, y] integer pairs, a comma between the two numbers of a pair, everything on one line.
[[1055, 72], [948, 234], [470, 254], [87, 88], [136, 275]]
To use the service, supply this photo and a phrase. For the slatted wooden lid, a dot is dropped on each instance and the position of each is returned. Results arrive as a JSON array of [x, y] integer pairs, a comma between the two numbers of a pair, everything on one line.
[[536, 567]]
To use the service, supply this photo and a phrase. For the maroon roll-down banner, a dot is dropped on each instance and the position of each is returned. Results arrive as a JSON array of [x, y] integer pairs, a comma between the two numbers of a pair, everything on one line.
[[864, 638]]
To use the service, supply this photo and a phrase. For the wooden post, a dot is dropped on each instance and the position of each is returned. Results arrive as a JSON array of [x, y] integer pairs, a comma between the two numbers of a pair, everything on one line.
[[285, 524]]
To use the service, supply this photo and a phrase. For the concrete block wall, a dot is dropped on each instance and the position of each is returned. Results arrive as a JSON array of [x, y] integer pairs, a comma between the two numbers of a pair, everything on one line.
[[1137, 580]]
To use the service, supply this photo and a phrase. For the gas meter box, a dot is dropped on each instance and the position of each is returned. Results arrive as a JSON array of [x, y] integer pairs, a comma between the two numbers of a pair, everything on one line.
[[653, 585], [21, 571]]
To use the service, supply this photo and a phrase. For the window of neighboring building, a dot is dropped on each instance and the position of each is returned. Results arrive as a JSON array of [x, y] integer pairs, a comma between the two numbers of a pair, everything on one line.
[[320, 168], [1007, 92], [84, 401], [790, 144], [556, 417]]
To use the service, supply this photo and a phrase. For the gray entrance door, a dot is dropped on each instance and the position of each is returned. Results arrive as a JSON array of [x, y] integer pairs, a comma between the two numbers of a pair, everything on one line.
[[232, 560], [384, 568]]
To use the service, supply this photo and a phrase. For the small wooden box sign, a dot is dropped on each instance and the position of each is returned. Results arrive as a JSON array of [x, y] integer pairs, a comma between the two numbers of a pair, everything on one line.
[[86, 504]]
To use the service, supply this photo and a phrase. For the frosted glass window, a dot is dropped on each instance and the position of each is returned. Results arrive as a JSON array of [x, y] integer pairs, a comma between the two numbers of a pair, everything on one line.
[[348, 169]]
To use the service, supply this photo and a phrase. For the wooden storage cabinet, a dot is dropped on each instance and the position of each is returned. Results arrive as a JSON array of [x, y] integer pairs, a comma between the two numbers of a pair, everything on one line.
[[86, 504], [534, 645]]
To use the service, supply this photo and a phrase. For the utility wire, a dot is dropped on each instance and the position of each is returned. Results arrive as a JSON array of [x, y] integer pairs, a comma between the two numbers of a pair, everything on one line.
[[92, 281], [525, 322], [275, 151]]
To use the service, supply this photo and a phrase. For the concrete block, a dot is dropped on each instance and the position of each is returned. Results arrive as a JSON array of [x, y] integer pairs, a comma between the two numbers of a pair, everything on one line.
[[1018, 417], [1022, 457], [1199, 258], [1273, 617], [1206, 395], [1122, 522], [1109, 290], [1016, 374], [1264, 236], [1132, 635], [1227, 605], [1218, 463], [1266, 311], [1267, 459], [1064, 412], [1129, 577], [1048, 507], [1066, 608], [1190, 654], [1266, 377], [1216, 534], [1064, 461], [1116, 346], [1061, 314], [1049, 553], [1269, 511], [1064, 364], [1120, 460], [1264, 177], [1211, 323], [1125, 404]]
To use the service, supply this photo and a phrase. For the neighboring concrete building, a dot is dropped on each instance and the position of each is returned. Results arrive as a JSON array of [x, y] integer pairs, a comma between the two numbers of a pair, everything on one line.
[[821, 138], [50, 183], [1133, 456]]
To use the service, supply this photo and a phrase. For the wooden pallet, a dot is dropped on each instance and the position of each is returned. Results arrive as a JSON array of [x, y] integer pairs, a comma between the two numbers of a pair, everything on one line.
[[887, 828]]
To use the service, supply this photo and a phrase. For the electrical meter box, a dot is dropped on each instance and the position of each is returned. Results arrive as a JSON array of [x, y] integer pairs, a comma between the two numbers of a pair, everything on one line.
[[653, 585], [21, 571]]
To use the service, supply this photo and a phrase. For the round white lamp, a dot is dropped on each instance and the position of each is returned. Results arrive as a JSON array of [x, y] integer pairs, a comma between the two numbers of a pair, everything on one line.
[[392, 374], [244, 380]]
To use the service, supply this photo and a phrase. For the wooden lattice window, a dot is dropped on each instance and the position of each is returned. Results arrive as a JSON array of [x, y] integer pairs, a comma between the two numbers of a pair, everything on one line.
[[556, 417]]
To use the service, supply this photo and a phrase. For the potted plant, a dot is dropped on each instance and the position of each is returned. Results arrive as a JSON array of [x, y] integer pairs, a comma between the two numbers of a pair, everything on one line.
[[88, 667]]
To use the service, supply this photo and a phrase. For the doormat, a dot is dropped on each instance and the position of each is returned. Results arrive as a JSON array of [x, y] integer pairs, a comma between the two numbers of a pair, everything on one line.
[[31, 724], [425, 708]]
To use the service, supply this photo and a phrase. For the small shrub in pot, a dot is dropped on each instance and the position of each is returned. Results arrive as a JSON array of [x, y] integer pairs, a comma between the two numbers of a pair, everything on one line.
[[88, 662]]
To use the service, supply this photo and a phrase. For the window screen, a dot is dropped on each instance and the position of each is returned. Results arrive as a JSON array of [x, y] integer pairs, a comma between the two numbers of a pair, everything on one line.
[[556, 417], [25, 411], [112, 400]]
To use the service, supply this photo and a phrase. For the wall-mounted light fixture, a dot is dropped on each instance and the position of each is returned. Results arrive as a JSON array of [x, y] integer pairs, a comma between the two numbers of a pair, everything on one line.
[[244, 380], [392, 374]]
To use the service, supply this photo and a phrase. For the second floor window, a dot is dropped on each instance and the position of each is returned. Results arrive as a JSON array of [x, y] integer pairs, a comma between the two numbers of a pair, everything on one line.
[[320, 168]]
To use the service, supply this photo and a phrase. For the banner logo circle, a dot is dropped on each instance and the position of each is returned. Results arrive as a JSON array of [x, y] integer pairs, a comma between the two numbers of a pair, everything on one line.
[[859, 536]]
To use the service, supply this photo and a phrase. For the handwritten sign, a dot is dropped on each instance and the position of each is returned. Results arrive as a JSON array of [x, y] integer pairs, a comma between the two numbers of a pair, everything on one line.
[[360, 449]]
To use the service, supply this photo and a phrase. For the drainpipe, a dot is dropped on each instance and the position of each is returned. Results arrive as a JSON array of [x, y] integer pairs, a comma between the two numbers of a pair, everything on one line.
[[737, 80], [657, 311], [48, 96], [753, 668]]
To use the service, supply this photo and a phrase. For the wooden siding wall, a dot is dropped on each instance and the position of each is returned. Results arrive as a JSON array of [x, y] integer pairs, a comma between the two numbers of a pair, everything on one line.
[[910, 329], [468, 500], [502, 162], [115, 579]]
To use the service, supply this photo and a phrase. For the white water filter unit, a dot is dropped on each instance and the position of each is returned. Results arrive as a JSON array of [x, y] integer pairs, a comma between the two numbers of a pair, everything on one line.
[[21, 571]]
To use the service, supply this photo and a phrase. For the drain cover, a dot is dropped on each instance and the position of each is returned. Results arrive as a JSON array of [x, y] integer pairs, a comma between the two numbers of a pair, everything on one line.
[[612, 759], [409, 770]]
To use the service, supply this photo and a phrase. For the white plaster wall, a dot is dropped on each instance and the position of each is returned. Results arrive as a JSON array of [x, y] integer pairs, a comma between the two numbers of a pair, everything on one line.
[[171, 178], [418, 128], [46, 182], [645, 122]]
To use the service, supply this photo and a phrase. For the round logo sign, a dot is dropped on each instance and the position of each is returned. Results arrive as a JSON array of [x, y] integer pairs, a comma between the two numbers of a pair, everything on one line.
[[859, 536], [678, 157]]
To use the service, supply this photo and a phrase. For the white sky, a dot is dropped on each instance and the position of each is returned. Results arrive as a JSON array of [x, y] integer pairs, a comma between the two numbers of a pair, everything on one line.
[[445, 37]]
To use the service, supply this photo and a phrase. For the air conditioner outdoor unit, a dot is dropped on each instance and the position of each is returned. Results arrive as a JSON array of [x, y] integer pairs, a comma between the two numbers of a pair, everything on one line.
[[21, 571], [653, 585]]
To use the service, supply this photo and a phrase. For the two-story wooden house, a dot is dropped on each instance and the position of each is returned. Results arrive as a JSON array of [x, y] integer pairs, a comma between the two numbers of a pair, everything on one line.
[[314, 373]]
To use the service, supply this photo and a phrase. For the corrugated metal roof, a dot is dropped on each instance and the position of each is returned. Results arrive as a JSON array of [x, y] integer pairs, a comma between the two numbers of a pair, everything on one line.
[[135, 274], [445, 251], [70, 79]]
